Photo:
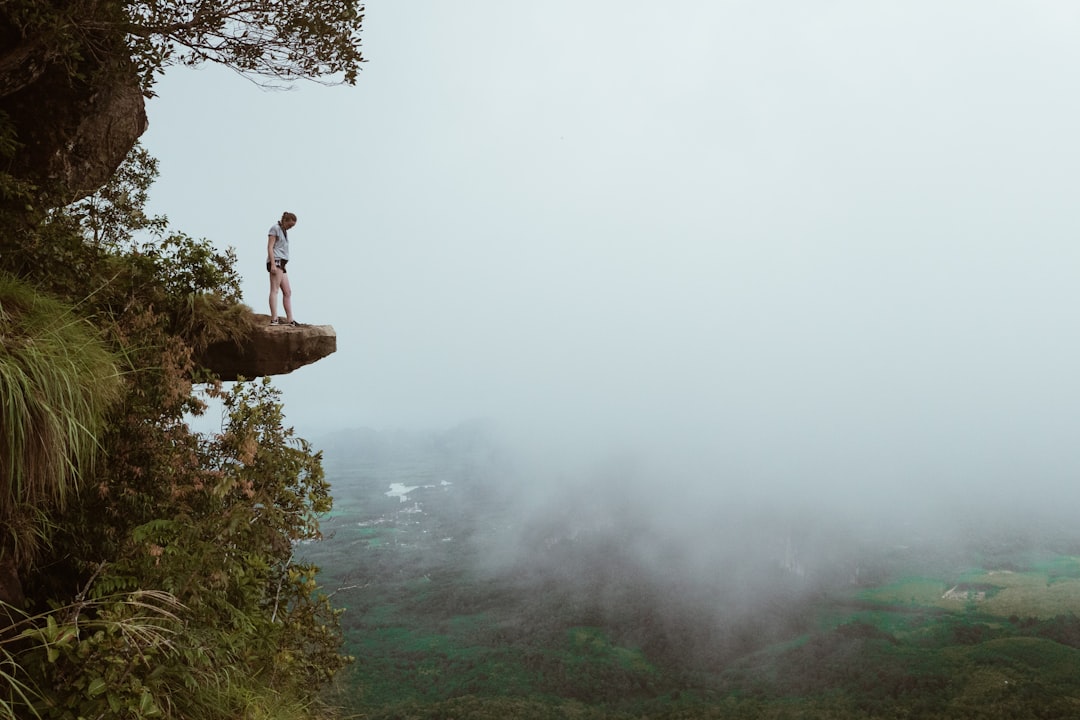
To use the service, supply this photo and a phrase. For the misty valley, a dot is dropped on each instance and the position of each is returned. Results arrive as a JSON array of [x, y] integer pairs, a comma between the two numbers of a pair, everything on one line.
[[475, 588]]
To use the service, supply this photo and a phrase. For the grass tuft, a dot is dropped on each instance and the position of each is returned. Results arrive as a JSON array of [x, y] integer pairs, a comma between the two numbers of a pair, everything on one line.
[[57, 380]]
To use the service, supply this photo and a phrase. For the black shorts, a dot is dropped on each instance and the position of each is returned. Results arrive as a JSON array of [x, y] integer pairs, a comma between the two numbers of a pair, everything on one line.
[[280, 263]]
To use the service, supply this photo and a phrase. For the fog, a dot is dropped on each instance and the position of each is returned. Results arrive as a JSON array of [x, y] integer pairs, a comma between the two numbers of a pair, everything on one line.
[[817, 256]]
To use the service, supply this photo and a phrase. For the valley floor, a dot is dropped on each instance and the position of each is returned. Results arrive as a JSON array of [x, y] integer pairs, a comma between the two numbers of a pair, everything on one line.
[[444, 625]]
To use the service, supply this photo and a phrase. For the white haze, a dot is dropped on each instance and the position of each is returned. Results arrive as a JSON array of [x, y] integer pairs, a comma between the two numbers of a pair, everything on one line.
[[820, 253]]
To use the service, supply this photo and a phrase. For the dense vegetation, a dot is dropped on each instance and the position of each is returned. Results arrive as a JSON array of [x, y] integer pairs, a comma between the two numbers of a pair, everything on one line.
[[162, 582], [145, 570]]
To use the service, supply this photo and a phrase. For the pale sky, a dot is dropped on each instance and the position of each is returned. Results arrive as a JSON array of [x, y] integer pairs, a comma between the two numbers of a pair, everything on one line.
[[834, 240]]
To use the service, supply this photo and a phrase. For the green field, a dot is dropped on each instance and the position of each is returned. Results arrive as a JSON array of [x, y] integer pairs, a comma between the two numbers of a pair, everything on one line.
[[1049, 589]]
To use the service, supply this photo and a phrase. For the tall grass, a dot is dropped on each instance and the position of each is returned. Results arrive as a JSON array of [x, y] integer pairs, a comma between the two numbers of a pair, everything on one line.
[[147, 620], [57, 380]]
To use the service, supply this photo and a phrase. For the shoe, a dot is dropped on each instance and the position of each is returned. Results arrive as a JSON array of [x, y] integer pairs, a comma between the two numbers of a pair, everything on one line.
[[275, 321], [295, 324]]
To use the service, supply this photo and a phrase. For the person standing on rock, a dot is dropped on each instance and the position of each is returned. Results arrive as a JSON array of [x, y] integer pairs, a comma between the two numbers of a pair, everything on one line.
[[277, 257]]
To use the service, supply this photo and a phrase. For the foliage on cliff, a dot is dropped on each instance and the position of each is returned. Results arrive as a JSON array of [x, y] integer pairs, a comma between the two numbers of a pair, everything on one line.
[[168, 587], [56, 382]]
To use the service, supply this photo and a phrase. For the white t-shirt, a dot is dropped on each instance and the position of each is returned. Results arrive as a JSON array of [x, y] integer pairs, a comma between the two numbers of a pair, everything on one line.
[[281, 242]]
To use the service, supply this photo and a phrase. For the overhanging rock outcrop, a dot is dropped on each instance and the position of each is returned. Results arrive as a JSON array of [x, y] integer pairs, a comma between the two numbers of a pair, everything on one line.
[[268, 350], [76, 105]]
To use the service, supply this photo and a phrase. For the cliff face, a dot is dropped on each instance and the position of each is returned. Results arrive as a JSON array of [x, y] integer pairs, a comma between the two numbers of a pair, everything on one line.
[[75, 114], [268, 350]]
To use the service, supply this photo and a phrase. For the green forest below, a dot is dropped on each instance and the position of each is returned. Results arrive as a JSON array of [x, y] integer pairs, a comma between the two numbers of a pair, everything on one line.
[[579, 627], [936, 667]]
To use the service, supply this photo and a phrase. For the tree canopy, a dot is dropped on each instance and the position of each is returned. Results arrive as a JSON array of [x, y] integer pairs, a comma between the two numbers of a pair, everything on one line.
[[264, 38], [267, 39]]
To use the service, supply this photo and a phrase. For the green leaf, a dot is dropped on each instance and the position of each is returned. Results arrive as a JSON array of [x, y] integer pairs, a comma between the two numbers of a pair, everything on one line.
[[147, 706], [51, 629], [97, 686]]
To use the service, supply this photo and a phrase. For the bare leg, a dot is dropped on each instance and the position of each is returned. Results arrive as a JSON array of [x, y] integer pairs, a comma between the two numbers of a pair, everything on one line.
[[275, 285], [286, 296]]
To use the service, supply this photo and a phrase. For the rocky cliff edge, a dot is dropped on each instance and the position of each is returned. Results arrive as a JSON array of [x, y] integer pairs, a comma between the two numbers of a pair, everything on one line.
[[268, 349]]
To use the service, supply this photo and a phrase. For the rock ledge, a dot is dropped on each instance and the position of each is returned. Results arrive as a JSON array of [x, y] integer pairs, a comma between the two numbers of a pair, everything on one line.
[[269, 350]]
